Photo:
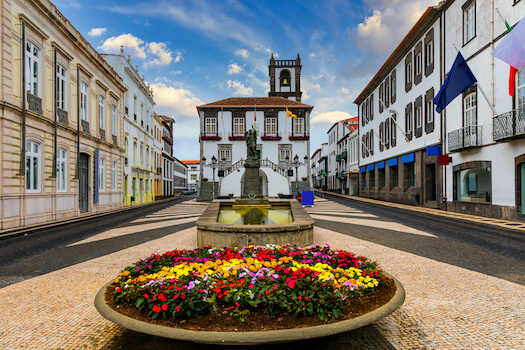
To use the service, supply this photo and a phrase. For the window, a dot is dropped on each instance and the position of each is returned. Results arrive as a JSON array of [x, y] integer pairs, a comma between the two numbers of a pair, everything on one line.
[[410, 170], [393, 89], [84, 101], [408, 121], [394, 176], [387, 91], [429, 53], [430, 112], [61, 87], [61, 173], [474, 185], [419, 121], [101, 112], [225, 154], [147, 157], [142, 114], [285, 153], [211, 126], [382, 178], [193, 177], [114, 119], [32, 69], [469, 21], [520, 91], [270, 128], [298, 126], [418, 64], [408, 72], [101, 174], [32, 167], [113, 176], [372, 179], [238, 126], [135, 107], [135, 153], [469, 104], [141, 160]]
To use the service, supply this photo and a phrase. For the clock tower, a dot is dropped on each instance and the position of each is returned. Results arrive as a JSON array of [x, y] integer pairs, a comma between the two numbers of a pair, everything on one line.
[[285, 78]]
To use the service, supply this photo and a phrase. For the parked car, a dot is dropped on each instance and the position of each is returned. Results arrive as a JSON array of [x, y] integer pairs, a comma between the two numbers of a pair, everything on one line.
[[185, 191]]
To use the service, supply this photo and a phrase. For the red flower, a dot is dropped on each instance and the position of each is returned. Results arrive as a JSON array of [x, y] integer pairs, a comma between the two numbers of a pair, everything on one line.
[[164, 307], [156, 308], [146, 296]]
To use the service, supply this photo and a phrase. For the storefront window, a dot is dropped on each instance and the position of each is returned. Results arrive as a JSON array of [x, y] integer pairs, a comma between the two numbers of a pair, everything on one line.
[[474, 185]]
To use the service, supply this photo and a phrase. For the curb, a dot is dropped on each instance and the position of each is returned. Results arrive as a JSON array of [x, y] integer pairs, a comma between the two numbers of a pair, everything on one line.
[[19, 231], [472, 221], [253, 337]]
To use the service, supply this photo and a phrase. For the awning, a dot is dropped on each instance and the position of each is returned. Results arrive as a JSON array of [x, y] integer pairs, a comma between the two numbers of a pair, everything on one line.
[[433, 150], [408, 158], [392, 162], [363, 169], [371, 167], [381, 165]]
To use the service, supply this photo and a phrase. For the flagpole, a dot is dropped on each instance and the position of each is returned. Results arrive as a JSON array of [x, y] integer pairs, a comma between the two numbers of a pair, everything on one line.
[[395, 121], [481, 89]]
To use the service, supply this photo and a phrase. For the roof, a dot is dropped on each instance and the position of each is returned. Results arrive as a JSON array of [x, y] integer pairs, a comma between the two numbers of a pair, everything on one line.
[[426, 19], [352, 123], [317, 150], [274, 101], [191, 161]]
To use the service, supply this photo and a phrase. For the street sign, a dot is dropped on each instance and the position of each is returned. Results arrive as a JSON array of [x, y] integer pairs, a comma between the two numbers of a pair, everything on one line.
[[323, 174], [307, 198]]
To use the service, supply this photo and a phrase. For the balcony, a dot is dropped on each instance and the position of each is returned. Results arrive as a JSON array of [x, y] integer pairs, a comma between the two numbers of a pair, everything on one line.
[[344, 154], [167, 137], [465, 138], [272, 137], [210, 137], [299, 137], [509, 125], [235, 137]]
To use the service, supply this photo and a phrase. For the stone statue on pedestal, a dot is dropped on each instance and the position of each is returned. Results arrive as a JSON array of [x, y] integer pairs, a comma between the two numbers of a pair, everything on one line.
[[251, 188], [251, 143]]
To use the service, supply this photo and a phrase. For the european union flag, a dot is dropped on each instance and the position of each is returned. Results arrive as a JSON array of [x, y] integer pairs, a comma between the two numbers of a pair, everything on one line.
[[459, 79]]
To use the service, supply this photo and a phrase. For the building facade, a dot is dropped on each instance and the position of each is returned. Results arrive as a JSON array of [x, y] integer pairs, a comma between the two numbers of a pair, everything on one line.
[[138, 132], [62, 137], [157, 156], [167, 156], [180, 175], [193, 173], [400, 132]]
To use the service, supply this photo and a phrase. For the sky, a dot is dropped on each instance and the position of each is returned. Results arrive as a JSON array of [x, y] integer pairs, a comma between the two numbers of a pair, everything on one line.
[[195, 52]]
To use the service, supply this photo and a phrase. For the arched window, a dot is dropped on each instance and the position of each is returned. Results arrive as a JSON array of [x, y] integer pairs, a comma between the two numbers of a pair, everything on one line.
[[285, 78], [33, 167], [32, 69], [61, 174]]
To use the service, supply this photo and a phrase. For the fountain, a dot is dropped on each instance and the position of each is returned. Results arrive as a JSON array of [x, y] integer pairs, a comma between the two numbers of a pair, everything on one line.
[[253, 219]]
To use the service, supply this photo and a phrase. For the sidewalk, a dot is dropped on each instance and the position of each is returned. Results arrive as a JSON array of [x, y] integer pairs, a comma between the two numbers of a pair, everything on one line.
[[19, 231], [473, 219]]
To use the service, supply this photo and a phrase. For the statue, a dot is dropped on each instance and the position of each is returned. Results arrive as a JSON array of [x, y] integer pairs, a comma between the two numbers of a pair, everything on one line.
[[251, 143]]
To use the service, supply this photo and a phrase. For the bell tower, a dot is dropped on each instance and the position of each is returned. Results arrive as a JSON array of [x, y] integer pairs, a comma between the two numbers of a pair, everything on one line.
[[285, 78]]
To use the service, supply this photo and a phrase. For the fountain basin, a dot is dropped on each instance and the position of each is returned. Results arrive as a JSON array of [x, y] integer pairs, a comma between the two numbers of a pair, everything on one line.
[[212, 232]]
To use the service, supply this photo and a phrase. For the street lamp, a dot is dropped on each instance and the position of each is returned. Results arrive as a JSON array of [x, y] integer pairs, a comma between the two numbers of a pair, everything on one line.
[[212, 165]]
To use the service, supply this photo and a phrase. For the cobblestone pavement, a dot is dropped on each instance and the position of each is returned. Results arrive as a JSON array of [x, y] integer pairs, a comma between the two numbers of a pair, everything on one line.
[[446, 307]]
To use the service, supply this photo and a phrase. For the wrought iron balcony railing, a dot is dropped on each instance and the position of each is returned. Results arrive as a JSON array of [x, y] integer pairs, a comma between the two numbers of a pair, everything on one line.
[[509, 125], [464, 138]]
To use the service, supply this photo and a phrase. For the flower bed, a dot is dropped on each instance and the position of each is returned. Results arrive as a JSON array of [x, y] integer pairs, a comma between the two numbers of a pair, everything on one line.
[[275, 280]]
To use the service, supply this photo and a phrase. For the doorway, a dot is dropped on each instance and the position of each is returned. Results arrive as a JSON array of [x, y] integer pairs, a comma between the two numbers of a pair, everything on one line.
[[522, 188], [83, 182], [430, 182]]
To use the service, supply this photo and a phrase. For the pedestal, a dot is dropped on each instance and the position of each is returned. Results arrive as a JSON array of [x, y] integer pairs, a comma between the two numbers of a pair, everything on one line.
[[251, 188]]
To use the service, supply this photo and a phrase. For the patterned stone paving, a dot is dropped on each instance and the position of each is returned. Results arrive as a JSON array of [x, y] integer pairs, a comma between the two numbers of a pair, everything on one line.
[[446, 307]]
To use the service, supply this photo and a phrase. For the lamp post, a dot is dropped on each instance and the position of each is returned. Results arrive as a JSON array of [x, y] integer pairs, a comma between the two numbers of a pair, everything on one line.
[[212, 165]]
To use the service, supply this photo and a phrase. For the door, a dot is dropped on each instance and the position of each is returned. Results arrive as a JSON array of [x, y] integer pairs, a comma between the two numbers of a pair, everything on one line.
[[522, 189], [83, 183], [430, 182]]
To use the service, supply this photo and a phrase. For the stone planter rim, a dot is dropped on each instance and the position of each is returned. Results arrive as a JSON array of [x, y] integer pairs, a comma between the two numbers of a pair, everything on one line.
[[252, 337]]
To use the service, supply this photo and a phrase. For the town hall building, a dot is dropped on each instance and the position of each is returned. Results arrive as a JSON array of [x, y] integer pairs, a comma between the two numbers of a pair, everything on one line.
[[283, 138]]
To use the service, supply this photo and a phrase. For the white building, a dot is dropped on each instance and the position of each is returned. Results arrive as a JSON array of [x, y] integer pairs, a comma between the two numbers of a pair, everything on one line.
[[167, 156], [138, 132], [193, 173], [353, 157], [487, 173], [180, 175], [157, 156], [399, 130]]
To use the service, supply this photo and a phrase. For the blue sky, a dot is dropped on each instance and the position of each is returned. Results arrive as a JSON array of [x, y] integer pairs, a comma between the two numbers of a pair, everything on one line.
[[199, 51]]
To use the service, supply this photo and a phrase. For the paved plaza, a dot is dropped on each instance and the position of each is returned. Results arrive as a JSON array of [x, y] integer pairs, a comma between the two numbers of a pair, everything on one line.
[[447, 306]]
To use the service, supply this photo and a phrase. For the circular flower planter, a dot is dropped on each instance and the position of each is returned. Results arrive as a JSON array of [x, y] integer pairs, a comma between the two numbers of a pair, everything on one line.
[[250, 338]]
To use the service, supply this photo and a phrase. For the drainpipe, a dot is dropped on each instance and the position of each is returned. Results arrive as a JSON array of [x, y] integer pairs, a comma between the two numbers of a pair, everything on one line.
[[23, 153], [491, 56], [442, 25], [78, 128], [55, 111]]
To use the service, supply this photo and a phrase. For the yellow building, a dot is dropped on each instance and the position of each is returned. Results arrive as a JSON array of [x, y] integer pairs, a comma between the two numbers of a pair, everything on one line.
[[61, 120]]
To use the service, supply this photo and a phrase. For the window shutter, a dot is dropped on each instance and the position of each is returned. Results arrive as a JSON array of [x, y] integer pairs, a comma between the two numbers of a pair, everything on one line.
[[386, 132], [381, 137], [429, 96], [417, 104], [393, 89], [429, 38], [393, 130], [372, 107], [381, 98], [417, 51], [408, 115]]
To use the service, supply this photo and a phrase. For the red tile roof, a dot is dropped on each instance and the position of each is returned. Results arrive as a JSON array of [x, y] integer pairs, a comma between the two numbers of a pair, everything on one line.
[[273, 101], [190, 161]]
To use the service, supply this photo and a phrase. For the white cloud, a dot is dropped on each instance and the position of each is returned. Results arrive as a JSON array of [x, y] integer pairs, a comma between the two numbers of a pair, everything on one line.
[[132, 45], [239, 88], [344, 90], [234, 68], [176, 102], [162, 52], [313, 55], [330, 117], [381, 32], [242, 53], [177, 72], [97, 32], [317, 77]]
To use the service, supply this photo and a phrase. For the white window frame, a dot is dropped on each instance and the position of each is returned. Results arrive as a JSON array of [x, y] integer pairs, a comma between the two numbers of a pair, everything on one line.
[[469, 22], [419, 63], [238, 126], [33, 68], [210, 126], [520, 89], [61, 87], [113, 176], [298, 126], [419, 119], [101, 112], [84, 101], [33, 159], [409, 73], [430, 111], [113, 119], [283, 153], [61, 171], [225, 153], [470, 109], [409, 123], [270, 126], [135, 107], [101, 174], [429, 50]]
